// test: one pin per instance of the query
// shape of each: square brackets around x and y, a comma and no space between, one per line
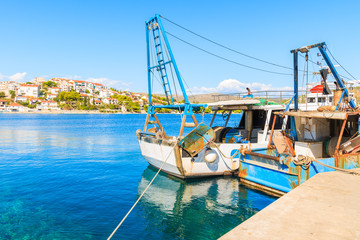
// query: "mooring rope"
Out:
[336,168]
[305,162]
[142,194]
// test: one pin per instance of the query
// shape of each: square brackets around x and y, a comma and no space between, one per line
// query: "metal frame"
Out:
[162,44]
[321,47]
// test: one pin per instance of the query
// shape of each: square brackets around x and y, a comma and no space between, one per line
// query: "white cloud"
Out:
[17,77]
[74,77]
[234,86]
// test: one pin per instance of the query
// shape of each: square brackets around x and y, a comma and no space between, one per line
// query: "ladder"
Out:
[161,67]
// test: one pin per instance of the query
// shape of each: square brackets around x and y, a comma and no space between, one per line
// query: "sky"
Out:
[104,41]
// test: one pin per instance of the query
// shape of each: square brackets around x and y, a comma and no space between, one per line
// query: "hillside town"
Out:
[61,94]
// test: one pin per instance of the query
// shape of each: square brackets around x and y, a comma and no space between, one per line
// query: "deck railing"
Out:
[273,95]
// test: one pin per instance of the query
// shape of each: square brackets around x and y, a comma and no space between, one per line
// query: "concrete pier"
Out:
[327,206]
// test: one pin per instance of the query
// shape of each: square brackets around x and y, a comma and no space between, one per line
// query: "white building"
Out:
[16,107]
[110,101]
[31,90]
[20,99]
[46,105]
[2,104]
[51,96]
[55,90]
[104,94]
[63,83]
[99,86]
[39,80]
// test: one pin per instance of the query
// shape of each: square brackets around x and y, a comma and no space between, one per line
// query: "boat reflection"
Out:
[200,209]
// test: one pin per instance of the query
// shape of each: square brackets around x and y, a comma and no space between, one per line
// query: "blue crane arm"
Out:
[328,62]
[336,75]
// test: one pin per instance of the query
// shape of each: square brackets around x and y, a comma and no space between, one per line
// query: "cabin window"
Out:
[311,100]
[330,99]
[321,100]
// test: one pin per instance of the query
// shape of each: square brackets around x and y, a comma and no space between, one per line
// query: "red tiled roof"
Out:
[29,85]
[14,104]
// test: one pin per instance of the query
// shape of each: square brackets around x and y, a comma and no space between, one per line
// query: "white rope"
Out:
[111,235]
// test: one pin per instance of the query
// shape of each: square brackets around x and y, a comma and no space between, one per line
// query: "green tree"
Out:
[12,93]
[87,91]
[49,84]
[71,96]
[2,95]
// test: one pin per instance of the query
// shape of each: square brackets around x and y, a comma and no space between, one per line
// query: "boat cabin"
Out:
[324,134]
[257,118]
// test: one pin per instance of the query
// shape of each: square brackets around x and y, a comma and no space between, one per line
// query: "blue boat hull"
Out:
[278,178]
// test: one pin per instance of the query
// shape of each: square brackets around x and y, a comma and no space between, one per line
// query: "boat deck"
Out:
[324,207]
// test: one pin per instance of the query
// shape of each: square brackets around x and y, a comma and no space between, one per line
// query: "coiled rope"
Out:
[142,194]
[305,162]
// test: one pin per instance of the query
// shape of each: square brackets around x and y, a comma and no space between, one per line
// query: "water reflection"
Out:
[198,209]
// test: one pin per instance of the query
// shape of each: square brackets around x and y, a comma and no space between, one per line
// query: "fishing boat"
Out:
[205,150]
[323,140]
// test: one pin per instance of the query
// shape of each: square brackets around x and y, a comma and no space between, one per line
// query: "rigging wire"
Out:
[228,60]
[340,64]
[314,75]
[246,55]
[153,61]
[173,78]
[191,94]
[318,65]
[171,70]
[223,46]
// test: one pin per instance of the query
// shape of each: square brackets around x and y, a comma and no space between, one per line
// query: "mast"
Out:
[163,64]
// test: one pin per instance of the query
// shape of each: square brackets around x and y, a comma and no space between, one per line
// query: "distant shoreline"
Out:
[68,112]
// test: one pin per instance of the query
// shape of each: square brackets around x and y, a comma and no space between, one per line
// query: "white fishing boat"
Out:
[206,150]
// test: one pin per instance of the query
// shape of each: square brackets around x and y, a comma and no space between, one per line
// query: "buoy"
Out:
[210,155]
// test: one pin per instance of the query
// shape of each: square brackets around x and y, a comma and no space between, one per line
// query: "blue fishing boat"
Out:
[327,139]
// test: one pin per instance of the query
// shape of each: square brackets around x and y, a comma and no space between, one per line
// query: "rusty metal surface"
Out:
[197,139]
[268,172]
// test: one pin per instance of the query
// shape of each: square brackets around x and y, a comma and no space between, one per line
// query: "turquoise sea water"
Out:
[76,176]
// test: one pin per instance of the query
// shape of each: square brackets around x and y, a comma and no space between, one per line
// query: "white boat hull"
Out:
[166,154]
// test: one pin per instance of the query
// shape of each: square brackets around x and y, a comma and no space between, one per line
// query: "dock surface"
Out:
[327,206]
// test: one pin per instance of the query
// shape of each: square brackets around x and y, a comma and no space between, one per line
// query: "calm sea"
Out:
[76,176]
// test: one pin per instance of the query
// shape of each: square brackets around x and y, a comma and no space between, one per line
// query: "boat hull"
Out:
[279,177]
[167,155]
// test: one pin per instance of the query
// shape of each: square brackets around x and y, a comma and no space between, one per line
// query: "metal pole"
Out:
[148,61]
[296,86]
[172,59]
